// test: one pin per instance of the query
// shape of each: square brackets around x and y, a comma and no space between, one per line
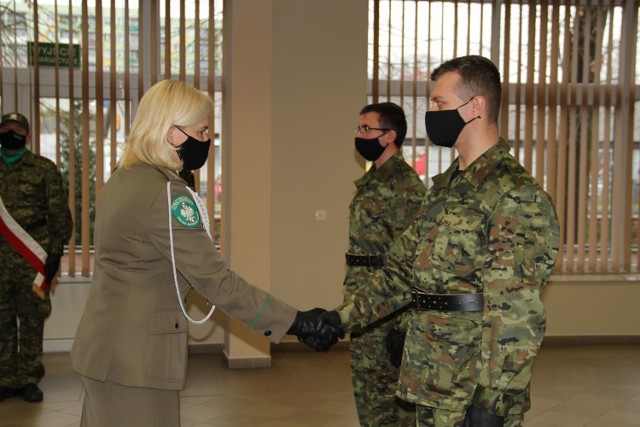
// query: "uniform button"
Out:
[267,333]
[176,325]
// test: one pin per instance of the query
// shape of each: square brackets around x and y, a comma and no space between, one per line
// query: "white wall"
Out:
[588,306]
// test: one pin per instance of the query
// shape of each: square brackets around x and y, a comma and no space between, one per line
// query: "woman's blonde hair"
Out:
[167,103]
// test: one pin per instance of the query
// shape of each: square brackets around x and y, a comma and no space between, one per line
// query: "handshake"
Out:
[317,328]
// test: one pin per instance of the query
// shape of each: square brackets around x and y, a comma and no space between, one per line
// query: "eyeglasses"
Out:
[365,129]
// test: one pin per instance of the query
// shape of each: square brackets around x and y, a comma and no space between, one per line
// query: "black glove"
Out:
[395,345]
[332,318]
[476,417]
[328,331]
[306,322]
[51,267]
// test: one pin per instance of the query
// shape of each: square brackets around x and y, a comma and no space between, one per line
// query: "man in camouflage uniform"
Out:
[472,266]
[387,199]
[32,193]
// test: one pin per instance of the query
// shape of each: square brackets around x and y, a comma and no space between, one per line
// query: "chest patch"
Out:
[185,211]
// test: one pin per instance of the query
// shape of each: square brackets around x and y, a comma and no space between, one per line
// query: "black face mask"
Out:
[193,153]
[444,127]
[370,149]
[11,140]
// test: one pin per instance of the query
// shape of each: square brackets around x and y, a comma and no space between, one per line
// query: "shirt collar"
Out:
[480,168]
[384,173]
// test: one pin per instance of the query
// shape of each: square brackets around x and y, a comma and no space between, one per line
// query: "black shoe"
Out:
[31,393]
[6,392]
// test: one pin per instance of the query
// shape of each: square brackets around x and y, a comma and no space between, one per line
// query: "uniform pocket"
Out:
[30,185]
[441,354]
[373,209]
[460,238]
[166,349]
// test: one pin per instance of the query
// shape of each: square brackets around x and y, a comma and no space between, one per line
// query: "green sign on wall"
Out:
[47,54]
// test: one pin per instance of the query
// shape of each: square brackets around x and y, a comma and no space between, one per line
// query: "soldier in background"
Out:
[472,266]
[35,224]
[387,200]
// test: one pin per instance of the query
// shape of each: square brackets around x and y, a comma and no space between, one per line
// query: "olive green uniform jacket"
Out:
[34,195]
[489,229]
[133,331]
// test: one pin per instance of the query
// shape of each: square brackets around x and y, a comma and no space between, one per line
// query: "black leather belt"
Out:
[447,302]
[369,261]
[35,225]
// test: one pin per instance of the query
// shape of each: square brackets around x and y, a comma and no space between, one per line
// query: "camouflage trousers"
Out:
[375,380]
[433,417]
[22,316]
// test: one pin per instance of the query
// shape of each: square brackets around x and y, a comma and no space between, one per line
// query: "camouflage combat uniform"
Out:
[386,202]
[489,229]
[33,194]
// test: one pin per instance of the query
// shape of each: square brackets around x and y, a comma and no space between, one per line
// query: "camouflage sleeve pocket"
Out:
[540,242]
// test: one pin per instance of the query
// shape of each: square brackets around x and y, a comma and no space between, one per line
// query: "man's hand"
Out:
[306,322]
[329,331]
[476,417]
[328,334]
[332,318]
[395,345]
[51,267]
[317,328]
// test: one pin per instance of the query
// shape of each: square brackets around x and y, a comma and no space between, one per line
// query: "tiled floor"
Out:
[596,386]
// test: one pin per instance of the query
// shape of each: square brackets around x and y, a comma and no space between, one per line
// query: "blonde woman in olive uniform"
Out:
[131,344]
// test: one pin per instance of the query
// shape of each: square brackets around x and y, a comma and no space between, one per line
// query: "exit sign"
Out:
[47,54]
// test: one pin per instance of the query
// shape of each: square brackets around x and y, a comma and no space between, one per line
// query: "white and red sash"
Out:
[26,246]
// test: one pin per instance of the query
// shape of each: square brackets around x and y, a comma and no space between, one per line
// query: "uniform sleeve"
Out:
[389,289]
[523,239]
[409,204]
[199,263]
[59,221]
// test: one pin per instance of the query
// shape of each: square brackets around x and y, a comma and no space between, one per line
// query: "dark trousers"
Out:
[22,316]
